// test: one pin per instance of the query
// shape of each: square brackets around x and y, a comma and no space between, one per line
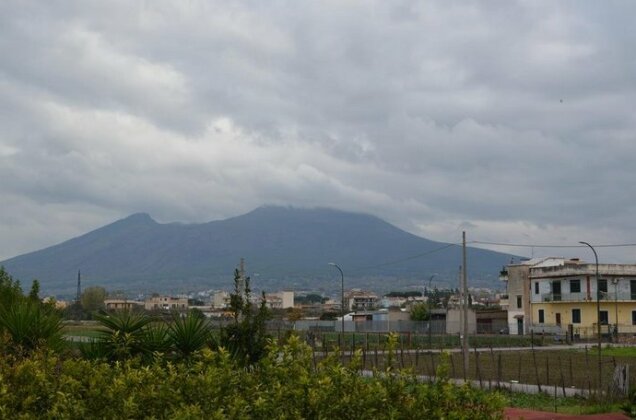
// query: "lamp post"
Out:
[615,281]
[598,316]
[342,309]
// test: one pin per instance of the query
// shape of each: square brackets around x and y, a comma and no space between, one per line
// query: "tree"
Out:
[408,294]
[329,316]
[419,312]
[92,298]
[294,314]
[34,293]
[246,337]
[10,290]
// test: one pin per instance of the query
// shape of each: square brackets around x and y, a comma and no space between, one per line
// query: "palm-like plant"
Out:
[156,338]
[31,326]
[124,334]
[188,334]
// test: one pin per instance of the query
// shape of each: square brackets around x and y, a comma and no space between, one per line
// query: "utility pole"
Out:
[464,305]
[342,309]
[598,318]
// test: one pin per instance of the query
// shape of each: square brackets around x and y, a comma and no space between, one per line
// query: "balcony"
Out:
[561,297]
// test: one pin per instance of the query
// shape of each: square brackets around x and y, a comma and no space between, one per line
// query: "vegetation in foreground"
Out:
[283,384]
[564,405]
[137,368]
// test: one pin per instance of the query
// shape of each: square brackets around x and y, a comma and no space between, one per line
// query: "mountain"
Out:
[283,248]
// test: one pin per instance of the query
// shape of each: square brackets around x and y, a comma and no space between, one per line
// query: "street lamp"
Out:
[342,309]
[615,281]
[598,316]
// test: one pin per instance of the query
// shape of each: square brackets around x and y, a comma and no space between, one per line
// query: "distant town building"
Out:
[122,304]
[392,301]
[221,300]
[360,300]
[166,303]
[279,300]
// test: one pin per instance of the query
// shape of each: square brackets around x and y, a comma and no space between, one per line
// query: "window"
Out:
[576,316]
[536,288]
[604,318]
[518,301]
[602,286]
[542,316]
[556,290]
[633,317]
[632,289]
[575,286]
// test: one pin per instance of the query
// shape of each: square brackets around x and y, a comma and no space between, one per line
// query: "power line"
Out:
[401,260]
[548,246]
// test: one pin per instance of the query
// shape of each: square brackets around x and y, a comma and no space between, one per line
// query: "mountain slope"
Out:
[283,247]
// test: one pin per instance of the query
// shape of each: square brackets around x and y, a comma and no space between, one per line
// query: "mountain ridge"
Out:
[285,247]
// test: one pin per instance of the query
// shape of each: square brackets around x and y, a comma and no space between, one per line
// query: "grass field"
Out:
[569,405]
[563,368]
[83,329]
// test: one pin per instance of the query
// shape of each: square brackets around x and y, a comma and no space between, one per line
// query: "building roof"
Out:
[543,262]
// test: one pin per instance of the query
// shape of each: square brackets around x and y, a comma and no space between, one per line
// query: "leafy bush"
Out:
[123,335]
[282,385]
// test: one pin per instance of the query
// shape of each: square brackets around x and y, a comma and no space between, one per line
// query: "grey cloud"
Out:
[511,117]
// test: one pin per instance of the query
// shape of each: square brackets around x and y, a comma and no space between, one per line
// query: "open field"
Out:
[490,364]
[569,368]
[84,329]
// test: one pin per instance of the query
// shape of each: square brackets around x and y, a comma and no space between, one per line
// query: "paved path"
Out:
[525,414]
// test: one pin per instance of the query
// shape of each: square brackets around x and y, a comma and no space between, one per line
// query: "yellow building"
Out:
[566,294]
[554,295]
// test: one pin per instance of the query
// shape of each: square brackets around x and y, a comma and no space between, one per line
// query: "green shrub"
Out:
[283,385]
[28,325]
[123,335]
[188,335]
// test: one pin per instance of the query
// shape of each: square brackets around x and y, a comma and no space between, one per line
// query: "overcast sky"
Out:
[514,121]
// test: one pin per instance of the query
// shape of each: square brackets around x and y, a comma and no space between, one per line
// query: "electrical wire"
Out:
[401,260]
[548,246]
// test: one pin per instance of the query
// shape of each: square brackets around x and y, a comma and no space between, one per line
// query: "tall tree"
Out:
[10,290]
[246,337]
[34,293]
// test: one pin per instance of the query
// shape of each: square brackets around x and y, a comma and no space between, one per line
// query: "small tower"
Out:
[79,287]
